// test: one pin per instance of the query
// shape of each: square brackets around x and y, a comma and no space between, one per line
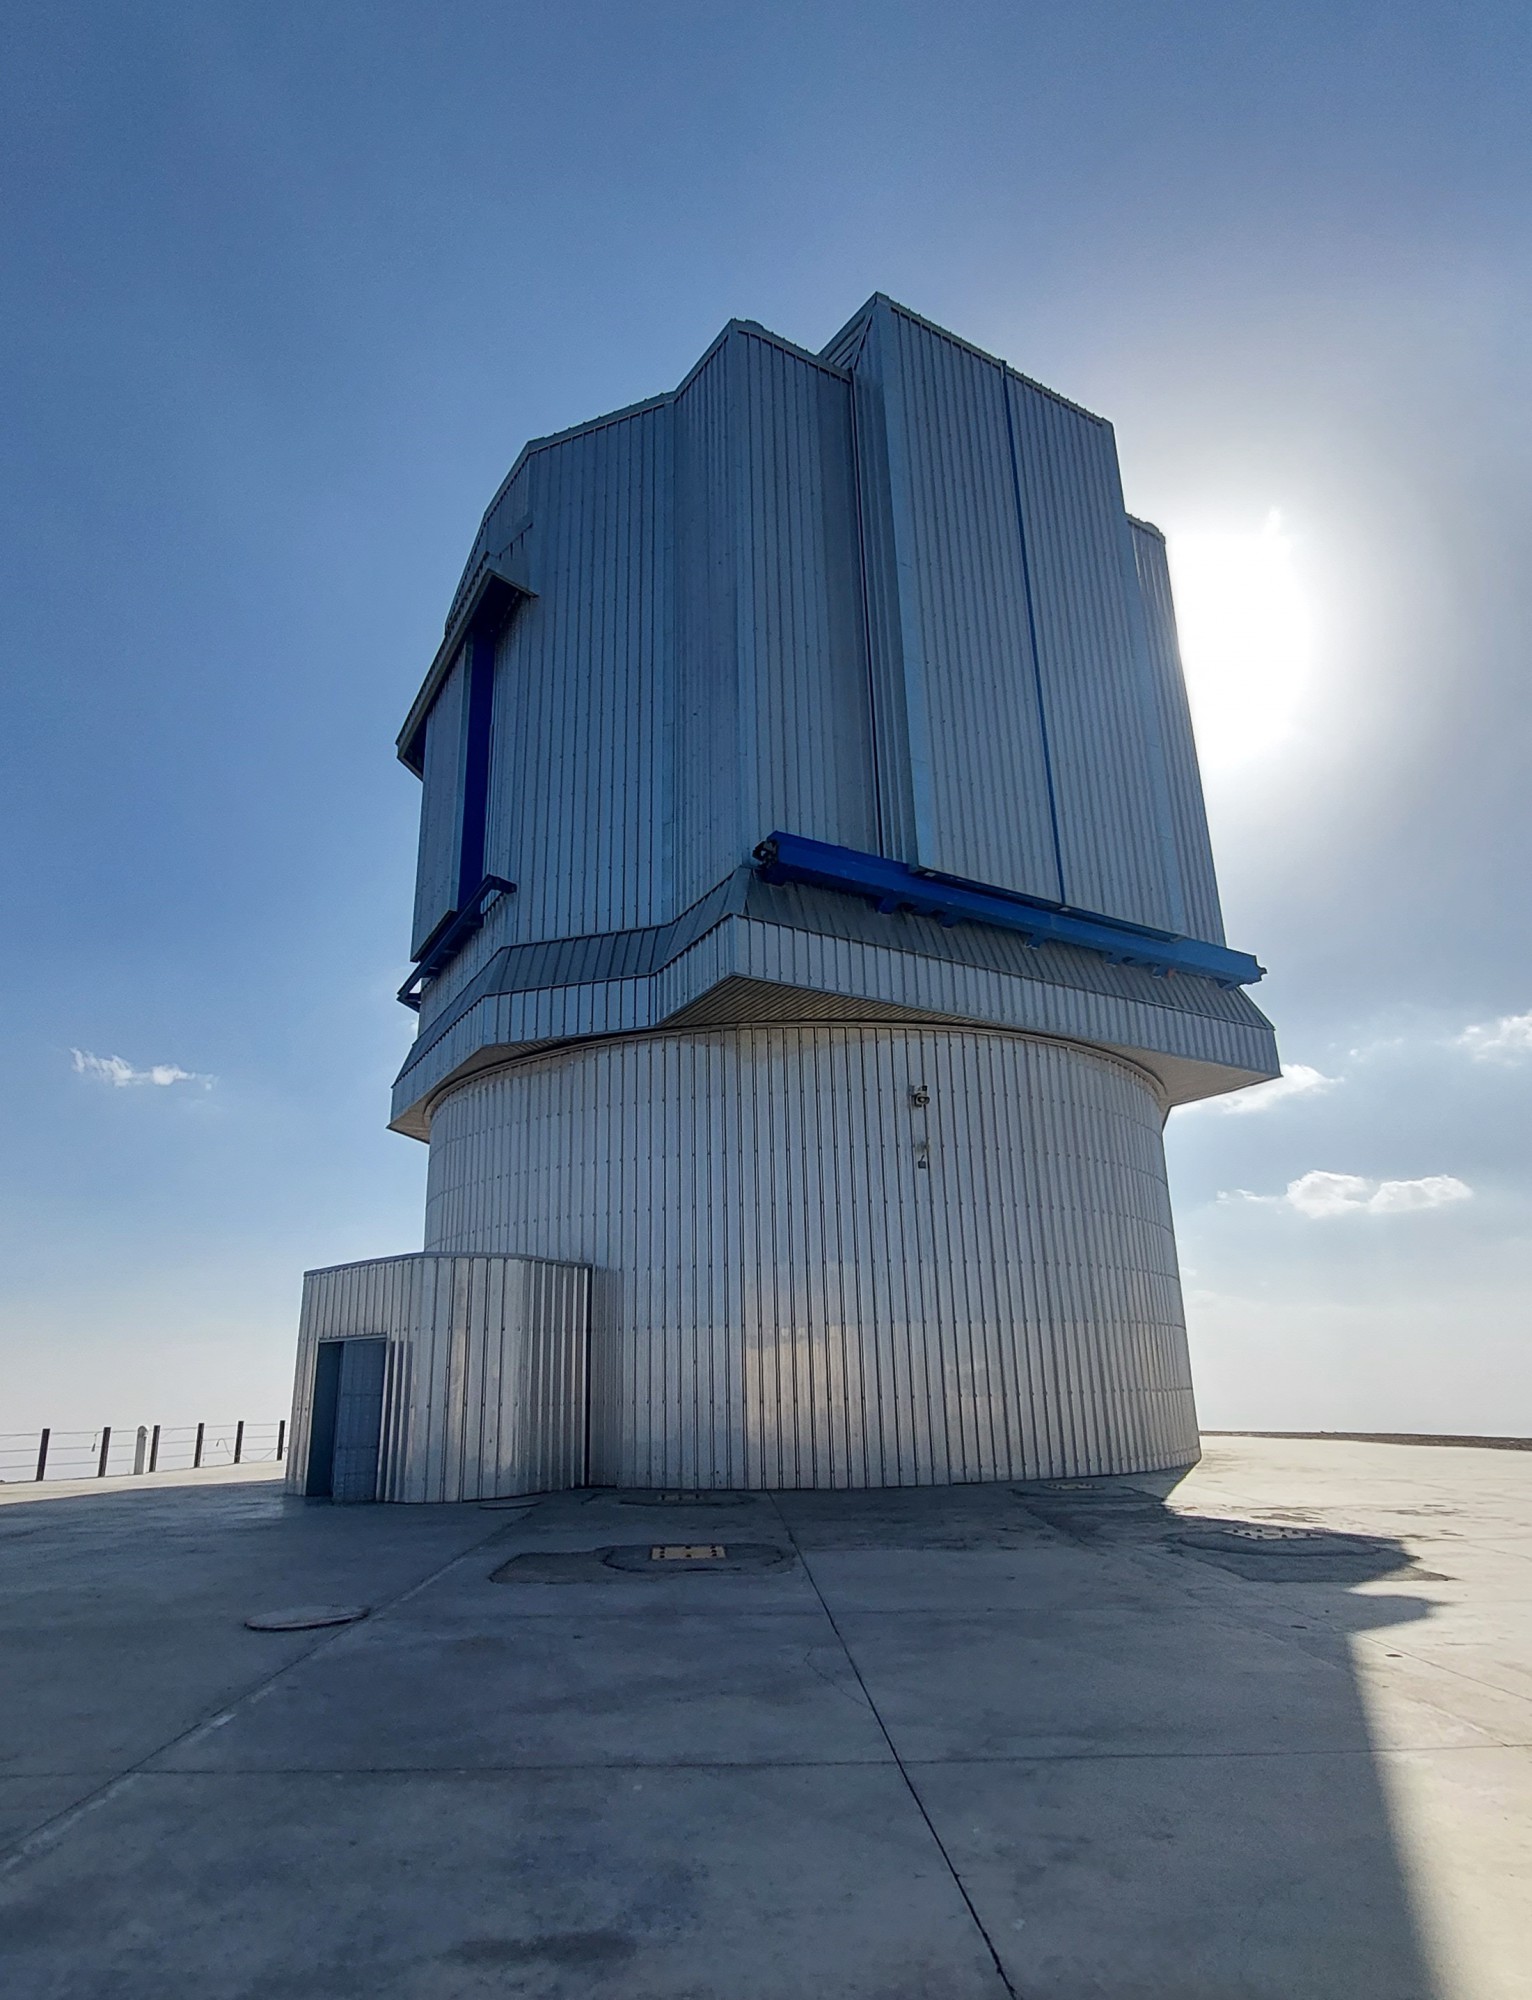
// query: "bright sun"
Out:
[1246,638]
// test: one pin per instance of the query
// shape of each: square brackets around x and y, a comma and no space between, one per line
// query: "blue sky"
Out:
[286,288]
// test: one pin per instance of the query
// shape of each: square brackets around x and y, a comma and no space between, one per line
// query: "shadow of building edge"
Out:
[1133,1513]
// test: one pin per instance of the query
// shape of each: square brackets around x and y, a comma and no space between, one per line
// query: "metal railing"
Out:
[107,1453]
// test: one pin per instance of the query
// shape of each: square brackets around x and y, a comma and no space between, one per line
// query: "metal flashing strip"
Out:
[894,886]
[605,956]
[452,933]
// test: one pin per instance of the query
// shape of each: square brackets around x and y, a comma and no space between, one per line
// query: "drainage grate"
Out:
[1255,1537]
[1274,1552]
[1257,1531]
[655,1560]
[682,1497]
[658,1559]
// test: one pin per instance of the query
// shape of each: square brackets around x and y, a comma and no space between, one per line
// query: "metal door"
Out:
[358,1420]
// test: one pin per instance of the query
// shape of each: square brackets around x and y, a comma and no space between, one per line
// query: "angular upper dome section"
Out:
[886,598]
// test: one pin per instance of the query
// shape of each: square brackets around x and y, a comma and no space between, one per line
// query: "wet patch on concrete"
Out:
[561,1948]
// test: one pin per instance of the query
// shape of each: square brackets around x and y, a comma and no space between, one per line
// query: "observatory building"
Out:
[815,923]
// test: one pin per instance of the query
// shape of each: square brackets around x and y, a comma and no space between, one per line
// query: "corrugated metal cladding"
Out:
[441,806]
[1198,1039]
[1000,569]
[837,1196]
[484,1384]
[841,1255]
[1188,813]
[892,604]
[954,601]
[691,670]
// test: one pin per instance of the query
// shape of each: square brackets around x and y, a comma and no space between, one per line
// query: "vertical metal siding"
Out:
[1204,917]
[1102,727]
[578,802]
[805,725]
[785,1296]
[978,764]
[897,834]
[441,801]
[704,801]
[484,1388]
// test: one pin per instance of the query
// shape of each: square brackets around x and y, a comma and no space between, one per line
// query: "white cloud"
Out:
[1319,1195]
[1297,1080]
[122,1075]
[1504,1040]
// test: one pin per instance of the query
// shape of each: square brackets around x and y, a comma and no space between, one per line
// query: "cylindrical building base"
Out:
[841,1255]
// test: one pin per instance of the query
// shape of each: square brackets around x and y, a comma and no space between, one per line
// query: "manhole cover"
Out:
[1079,1489]
[305,1617]
[690,1558]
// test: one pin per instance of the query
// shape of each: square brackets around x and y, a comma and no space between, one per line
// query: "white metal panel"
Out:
[485,1386]
[1104,748]
[805,749]
[703,827]
[809,1279]
[441,804]
[1188,813]
[578,806]
[979,782]
[898,835]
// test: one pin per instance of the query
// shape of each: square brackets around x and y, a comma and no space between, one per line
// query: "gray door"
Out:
[358,1420]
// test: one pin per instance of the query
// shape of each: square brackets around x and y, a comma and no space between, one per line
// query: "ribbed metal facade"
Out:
[885,598]
[484,1387]
[1195,1038]
[954,605]
[841,1255]
[1183,781]
[441,806]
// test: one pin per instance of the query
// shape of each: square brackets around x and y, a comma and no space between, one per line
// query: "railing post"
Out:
[140,1447]
[154,1450]
[106,1445]
[239,1440]
[197,1454]
[42,1452]
[281,1438]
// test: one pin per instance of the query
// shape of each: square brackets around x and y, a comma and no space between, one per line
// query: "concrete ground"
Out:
[949,1744]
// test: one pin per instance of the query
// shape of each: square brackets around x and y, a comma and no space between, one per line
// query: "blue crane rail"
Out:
[895,886]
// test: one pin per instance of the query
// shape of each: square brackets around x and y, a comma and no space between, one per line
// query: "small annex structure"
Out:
[815,923]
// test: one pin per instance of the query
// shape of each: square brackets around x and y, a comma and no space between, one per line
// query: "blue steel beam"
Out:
[451,934]
[894,885]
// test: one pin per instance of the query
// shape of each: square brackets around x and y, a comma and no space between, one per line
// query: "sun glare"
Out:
[1246,638]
